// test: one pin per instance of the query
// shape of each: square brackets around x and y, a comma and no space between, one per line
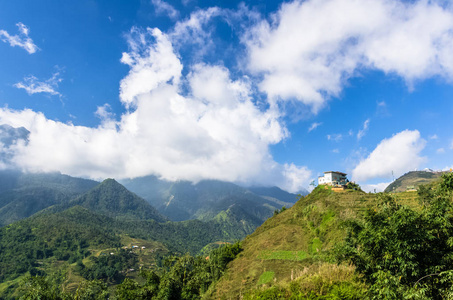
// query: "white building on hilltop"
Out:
[333,178]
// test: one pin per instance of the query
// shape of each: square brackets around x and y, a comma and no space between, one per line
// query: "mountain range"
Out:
[184,200]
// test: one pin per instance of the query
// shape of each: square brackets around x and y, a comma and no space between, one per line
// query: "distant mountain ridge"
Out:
[183,200]
[412,179]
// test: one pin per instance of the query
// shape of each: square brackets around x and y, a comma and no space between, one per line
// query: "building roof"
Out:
[344,174]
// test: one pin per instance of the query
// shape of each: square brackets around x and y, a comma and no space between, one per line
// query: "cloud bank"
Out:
[190,118]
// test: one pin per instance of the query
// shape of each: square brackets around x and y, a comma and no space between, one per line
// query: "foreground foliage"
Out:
[184,277]
[404,253]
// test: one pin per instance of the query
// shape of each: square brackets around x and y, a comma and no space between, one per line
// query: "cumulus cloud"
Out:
[309,49]
[398,154]
[32,85]
[22,40]
[163,7]
[212,131]
[363,131]
[153,63]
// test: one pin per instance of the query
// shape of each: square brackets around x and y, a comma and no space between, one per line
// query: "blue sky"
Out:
[262,92]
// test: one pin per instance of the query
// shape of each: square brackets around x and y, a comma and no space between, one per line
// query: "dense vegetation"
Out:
[404,252]
[182,277]
[22,195]
[47,242]
[66,236]
[351,245]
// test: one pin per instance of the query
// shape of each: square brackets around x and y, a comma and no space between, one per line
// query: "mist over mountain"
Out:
[184,200]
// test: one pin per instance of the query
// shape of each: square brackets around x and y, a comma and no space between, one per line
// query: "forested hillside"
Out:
[23,194]
[112,199]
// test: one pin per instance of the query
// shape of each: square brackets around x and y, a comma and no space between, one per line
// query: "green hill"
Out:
[412,180]
[293,244]
[112,199]
[23,194]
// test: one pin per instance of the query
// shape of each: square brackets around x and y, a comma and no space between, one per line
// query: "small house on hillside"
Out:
[333,178]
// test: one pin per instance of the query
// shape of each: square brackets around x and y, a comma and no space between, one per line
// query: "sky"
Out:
[256,93]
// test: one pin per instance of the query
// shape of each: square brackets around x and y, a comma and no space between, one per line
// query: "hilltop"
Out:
[412,180]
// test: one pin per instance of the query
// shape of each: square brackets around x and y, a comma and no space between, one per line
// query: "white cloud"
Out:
[451,145]
[336,150]
[378,187]
[434,137]
[314,126]
[22,40]
[440,151]
[32,85]
[309,49]
[163,7]
[400,153]
[152,64]
[213,131]
[363,131]
[337,137]
[197,31]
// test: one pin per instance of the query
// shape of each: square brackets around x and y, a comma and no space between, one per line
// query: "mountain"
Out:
[412,180]
[184,200]
[23,194]
[112,199]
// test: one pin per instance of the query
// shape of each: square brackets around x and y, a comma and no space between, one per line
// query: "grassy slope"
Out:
[295,242]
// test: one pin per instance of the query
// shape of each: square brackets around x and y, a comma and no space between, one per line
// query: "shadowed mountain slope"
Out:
[23,194]
[112,199]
